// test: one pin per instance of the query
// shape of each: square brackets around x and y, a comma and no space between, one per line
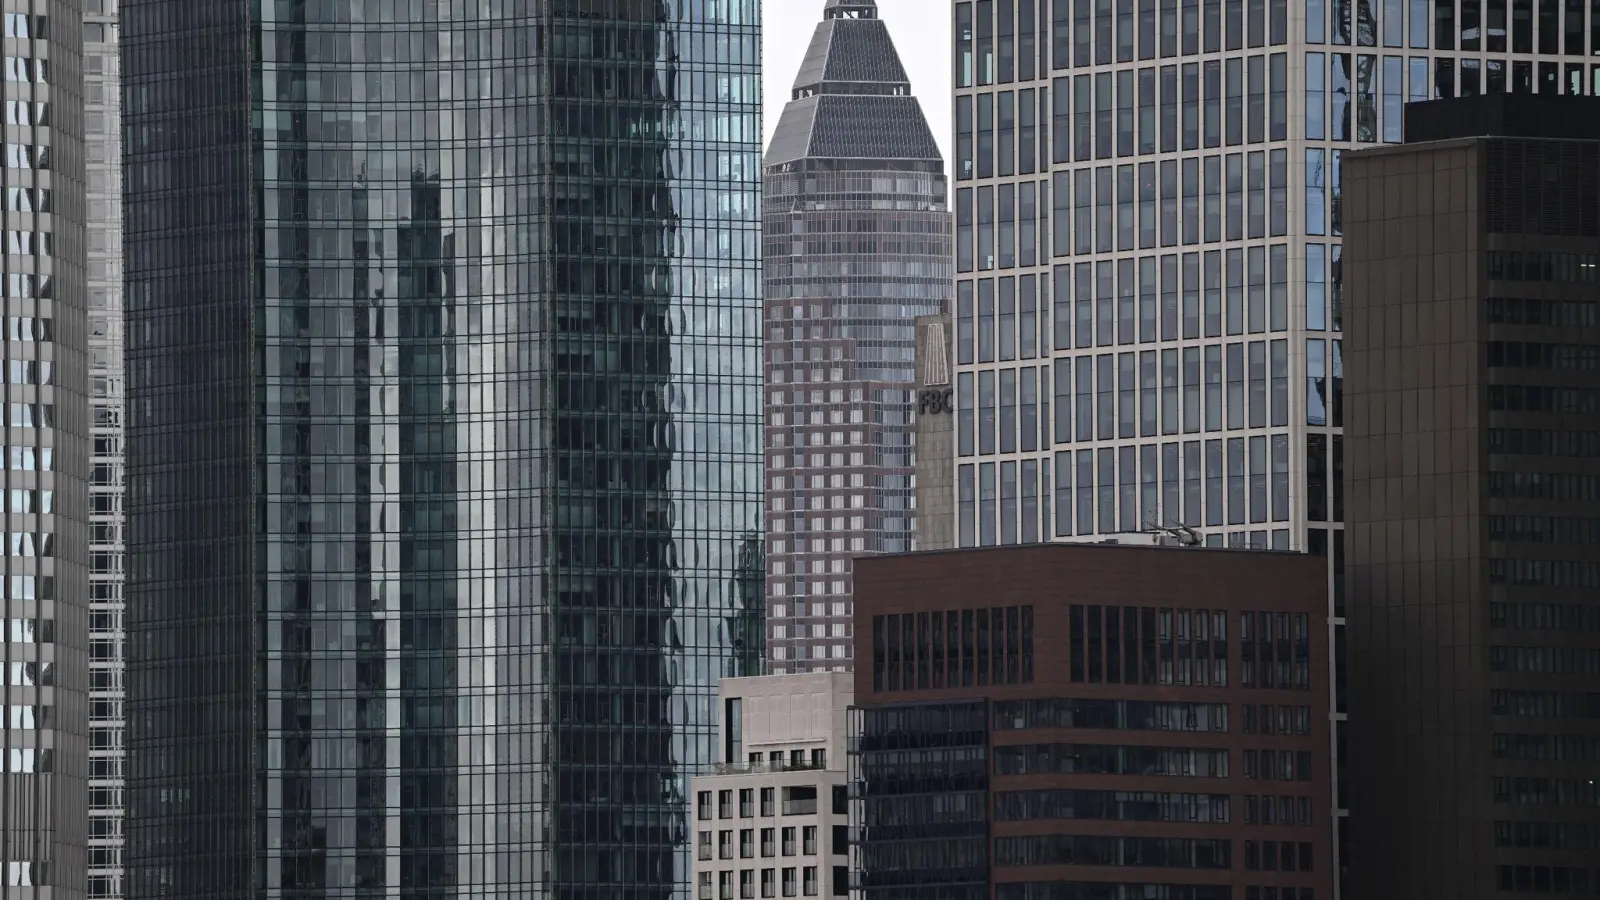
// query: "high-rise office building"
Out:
[1474,471]
[44,647]
[857,245]
[1107,722]
[443,439]
[1148,245]
[102,124]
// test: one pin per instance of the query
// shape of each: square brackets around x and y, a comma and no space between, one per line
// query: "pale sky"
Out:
[921,31]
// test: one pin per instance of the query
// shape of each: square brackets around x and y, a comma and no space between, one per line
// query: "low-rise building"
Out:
[772,819]
[1092,722]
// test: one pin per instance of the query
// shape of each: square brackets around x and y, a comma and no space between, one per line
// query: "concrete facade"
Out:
[773,819]
[934,401]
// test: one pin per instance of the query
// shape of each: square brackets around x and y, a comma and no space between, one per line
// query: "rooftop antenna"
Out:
[1183,534]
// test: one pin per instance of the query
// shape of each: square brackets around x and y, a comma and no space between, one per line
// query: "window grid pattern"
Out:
[45,466]
[444,407]
[1164,134]
[103,144]
[857,246]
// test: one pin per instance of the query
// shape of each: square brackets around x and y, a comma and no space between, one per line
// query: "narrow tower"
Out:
[857,241]
[102,105]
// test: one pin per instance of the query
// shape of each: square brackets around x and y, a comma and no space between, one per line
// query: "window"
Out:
[809,840]
[733,730]
[768,796]
[1061,849]
[1011,661]
[705,805]
[1110,759]
[790,885]
[1132,715]
[705,845]
[789,846]
[747,803]
[1124,806]
[810,881]
[769,847]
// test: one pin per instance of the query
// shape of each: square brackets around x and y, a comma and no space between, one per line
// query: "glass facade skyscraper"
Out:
[1153,186]
[857,241]
[444,451]
[44,585]
[102,102]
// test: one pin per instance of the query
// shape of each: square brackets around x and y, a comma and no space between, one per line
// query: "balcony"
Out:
[765,767]
[800,800]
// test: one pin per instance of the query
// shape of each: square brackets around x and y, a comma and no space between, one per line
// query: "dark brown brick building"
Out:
[1092,722]
[1472,367]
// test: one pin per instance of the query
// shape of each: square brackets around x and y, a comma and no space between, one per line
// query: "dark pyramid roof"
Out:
[852,98]
[852,50]
[844,126]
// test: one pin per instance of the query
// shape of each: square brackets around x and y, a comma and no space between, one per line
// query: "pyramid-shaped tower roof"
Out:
[852,97]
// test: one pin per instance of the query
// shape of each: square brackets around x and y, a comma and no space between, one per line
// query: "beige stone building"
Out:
[772,820]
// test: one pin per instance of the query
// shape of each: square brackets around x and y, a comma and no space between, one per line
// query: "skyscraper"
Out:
[444,466]
[44,647]
[857,245]
[102,103]
[1148,243]
[1473,258]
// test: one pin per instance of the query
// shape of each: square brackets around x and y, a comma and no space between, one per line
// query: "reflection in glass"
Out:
[1494,32]
[1316,201]
[1366,98]
[1317,398]
[462,543]
[1444,25]
[1393,99]
[1339,93]
[917,820]
[1471,25]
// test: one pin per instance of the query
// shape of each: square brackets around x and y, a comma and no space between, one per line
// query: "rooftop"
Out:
[852,98]
[1548,116]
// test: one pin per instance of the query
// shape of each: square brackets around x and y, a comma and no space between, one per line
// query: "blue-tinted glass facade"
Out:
[444,439]
[920,774]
